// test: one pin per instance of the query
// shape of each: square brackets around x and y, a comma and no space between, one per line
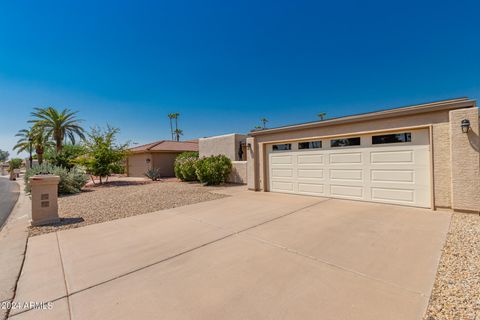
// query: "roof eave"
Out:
[417,109]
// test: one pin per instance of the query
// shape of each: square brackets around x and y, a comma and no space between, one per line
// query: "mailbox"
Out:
[44,191]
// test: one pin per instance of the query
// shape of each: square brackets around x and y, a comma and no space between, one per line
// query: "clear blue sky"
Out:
[224,64]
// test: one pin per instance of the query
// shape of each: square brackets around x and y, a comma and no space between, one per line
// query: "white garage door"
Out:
[389,168]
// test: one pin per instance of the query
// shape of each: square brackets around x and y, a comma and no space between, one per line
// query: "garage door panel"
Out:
[346,158]
[402,156]
[282,173]
[421,157]
[346,174]
[311,188]
[394,195]
[345,191]
[308,159]
[392,175]
[310,173]
[281,159]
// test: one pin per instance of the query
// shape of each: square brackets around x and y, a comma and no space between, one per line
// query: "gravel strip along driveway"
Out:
[456,292]
[119,200]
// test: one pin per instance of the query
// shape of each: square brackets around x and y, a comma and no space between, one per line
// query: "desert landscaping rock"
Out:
[123,199]
[456,292]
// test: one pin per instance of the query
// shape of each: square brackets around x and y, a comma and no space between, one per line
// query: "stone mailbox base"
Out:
[44,190]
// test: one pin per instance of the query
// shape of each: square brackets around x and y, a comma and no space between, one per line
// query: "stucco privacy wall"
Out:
[227,145]
[137,164]
[252,164]
[239,172]
[466,160]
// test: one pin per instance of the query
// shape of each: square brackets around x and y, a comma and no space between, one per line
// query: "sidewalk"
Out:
[13,243]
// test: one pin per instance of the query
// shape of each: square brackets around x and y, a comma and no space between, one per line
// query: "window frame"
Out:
[282,144]
[346,146]
[407,135]
[310,144]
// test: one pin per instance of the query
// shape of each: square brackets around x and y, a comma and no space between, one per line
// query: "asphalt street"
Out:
[9,192]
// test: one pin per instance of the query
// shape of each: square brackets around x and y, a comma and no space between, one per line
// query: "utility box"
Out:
[44,191]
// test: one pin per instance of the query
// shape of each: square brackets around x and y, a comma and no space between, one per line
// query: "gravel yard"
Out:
[121,199]
[456,292]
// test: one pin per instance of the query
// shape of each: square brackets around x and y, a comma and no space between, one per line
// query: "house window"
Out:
[310,145]
[282,147]
[345,142]
[392,138]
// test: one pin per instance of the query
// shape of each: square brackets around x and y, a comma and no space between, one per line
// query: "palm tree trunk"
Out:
[171,128]
[40,157]
[58,142]
[176,128]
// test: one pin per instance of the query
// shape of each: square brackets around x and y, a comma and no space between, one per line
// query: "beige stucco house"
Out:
[160,154]
[424,155]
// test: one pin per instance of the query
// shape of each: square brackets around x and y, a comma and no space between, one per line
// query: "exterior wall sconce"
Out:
[249,146]
[147,160]
[465,125]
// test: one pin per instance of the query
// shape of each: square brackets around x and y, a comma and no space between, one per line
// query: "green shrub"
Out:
[213,170]
[15,163]
[71,181]
[65,158]
[104,156]
[153,174]
[185,166]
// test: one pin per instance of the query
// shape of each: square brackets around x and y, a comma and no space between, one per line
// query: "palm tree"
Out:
[257,128]
[178,133]
[176,122]
[32,139]
[174,116]
[322,115]
[171,116]
[58,125]
[264,121]
[176,119]
[25,143]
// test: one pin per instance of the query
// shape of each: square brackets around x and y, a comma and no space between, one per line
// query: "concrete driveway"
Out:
[249,256]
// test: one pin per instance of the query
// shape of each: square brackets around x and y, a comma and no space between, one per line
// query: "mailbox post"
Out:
[44,190]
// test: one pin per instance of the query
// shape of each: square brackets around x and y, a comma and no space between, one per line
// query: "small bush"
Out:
[185,166]
[119,168]
[153,174]
[66,157]
[15,163]
[213,170]
[71,181]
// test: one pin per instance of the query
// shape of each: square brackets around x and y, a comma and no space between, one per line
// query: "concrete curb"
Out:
[13,244]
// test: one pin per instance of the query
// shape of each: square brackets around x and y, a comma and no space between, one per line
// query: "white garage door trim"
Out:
[397,173]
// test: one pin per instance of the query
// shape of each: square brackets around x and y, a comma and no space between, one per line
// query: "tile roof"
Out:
[167,145]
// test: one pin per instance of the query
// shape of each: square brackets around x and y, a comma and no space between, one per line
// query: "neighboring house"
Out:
[231,145]
[425,155]
[159,154]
